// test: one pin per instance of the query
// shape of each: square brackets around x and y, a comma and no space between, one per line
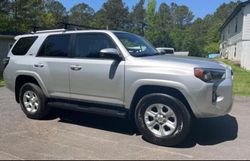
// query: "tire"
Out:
[174,119]
[36,100]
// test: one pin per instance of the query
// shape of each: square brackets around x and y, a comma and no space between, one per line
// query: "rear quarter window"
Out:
[23,45]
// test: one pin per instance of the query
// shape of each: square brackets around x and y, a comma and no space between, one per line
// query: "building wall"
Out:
[245,55]
[246,25]
[5,44]
[235,51]
[233,31]
[236,45]
[231,37]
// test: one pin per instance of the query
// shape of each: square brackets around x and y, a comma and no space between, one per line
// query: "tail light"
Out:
[5,62]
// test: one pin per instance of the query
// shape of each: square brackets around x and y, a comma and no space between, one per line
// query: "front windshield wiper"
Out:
[145,55]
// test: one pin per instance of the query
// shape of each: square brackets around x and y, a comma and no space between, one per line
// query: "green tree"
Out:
[5,19]
[137,17]
[81,14]
[55,13]
[24,14]
[114,15]
[181,19]
[100,20]
[4,6]
[165,25]
[181,15]
[194,39]
[211,25]
[152,31]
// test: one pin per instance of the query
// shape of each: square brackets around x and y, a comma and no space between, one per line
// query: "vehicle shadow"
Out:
[112,124]
[210,131]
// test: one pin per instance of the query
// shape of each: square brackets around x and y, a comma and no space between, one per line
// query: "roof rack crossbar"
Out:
[67,26]
[48,31]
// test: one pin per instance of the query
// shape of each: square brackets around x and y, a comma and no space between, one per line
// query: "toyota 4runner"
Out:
[117,74]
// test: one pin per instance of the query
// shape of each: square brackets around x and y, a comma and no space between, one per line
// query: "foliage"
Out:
[170,25]
[54,12]
[114,15]
[136,18]
[1,81]
[152,31]
[81,14]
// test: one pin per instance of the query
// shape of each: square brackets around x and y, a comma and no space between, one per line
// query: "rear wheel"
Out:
[33,101]
[162,119]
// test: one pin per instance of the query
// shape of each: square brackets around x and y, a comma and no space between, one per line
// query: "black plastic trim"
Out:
[95,108]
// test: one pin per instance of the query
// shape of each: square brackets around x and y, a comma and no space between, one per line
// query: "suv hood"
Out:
[184,61]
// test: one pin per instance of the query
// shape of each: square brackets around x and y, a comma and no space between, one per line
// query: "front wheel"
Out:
[162,119]
[33,101]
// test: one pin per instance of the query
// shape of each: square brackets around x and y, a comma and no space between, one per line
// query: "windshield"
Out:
[136,45]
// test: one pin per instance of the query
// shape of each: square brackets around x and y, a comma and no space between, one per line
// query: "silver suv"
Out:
[117,74]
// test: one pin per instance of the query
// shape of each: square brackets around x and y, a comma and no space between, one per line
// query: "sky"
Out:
[200,8]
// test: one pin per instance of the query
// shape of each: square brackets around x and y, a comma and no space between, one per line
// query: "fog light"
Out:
[214,96]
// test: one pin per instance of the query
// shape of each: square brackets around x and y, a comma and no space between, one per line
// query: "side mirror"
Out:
[110,53]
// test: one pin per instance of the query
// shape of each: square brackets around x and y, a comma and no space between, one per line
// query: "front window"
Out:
[89,45]
[136,45]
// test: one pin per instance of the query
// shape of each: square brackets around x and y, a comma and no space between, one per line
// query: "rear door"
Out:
[52,64]
[96,78]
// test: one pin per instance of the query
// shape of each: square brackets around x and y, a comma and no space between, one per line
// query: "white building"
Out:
[235,35]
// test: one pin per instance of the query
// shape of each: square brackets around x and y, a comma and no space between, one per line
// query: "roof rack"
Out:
[76,26]
[66,27]
[48,31]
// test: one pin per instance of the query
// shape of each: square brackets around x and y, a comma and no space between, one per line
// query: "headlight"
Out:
[210,75]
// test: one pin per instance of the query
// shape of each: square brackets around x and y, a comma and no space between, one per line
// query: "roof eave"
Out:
[234,13]
[7,36]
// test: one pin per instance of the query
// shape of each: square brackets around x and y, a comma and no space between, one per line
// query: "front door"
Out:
[92,77]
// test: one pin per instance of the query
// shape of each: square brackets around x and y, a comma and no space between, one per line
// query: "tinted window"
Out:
[23,45]
[168,51]
[90,45]
[55,46]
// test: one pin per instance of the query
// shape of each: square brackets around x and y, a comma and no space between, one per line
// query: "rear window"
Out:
[23,45]
[169,51]
[55,46]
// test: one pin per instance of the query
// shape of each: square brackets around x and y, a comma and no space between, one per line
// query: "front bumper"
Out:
[215,99]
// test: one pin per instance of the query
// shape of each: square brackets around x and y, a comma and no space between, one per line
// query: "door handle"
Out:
[39,65]
[75,67]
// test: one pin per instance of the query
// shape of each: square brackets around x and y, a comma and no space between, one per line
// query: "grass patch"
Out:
[1,80]
[241,79]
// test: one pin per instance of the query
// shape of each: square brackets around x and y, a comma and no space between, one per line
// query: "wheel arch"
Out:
[21,79]
[148,89]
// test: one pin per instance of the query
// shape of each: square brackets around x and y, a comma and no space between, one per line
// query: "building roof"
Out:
[9,35]
[234,13]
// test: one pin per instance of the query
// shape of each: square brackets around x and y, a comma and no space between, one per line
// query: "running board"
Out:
[99,109]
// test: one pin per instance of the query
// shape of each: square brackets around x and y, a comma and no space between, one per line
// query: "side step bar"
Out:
[100,109]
